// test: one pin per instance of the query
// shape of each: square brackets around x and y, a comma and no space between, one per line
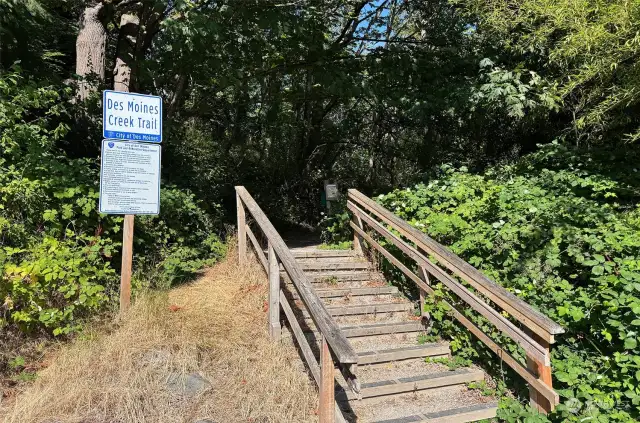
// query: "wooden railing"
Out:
[537,331]
[334,345]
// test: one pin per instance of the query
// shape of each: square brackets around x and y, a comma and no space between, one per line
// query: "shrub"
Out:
[335,227]
[561,229]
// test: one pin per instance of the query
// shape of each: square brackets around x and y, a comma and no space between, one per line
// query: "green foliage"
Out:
[586,52]
[482,387]
[559,229]
[335,227]
[58,256]
[424,338]
[453,363]
[512,411]
[518,92]
[344,245]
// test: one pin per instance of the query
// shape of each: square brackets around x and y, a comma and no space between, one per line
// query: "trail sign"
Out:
[129,178]
[332,192]
[134,117]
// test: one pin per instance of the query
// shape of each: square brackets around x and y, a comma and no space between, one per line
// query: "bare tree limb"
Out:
[350,25]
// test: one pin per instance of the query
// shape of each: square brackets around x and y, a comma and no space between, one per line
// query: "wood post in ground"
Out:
[357,239]
[274,295]
[242,233]
[326,410]
[543,372]
[127,263]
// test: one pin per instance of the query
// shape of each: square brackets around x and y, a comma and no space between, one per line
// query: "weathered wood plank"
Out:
[301,340]
[423,293]
[366,309]
[311,254]
[417,351]
[321,317]
[127,262]
[329,266]
[472,413]
[344,276]
[543,371]
[522,311]
[372,329]
[420,382]
[257,249]
[531,347]
[274,295]
[357,240]
[355,292]
[242,235]
[326,409]
[382,329]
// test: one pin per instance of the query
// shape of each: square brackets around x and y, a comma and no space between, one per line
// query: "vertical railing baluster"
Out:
[423,294]
[357,239]
[274,295]
[242,233]
[326,410]
[543,372]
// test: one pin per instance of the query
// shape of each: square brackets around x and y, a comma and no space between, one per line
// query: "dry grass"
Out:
[215,327]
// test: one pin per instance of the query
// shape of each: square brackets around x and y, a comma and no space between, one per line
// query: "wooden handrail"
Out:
[340,347]
[546,391]
[540,330]
[519,309]
[501,322]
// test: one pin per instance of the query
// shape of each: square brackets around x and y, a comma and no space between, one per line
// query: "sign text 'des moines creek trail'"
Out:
[133,117]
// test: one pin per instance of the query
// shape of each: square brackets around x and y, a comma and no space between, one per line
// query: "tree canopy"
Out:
[281,95]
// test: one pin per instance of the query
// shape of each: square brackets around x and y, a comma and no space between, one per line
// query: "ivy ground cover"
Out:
[562,231]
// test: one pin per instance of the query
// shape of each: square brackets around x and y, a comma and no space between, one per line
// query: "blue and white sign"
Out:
[130,177]
[133,117]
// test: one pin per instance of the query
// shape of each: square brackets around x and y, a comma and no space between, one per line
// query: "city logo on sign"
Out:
[111,144]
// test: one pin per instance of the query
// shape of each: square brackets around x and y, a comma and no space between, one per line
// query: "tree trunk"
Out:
[90,49]
[181,87]
[124,71]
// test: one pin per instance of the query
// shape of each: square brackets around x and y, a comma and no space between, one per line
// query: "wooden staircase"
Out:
[396,383]
[343,315]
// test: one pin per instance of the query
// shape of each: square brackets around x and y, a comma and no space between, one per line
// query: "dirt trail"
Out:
[198,353]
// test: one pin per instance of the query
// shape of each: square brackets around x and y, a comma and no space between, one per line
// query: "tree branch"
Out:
[350,26]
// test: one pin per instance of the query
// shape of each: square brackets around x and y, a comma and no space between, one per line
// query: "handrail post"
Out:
[242,233]
[326,409]
[274,295]
[423,294]
[357,239]
[543,373]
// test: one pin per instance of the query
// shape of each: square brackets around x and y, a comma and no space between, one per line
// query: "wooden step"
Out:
[340,276]
[366,309]
[403,353]
[363,300]
[382,328]
[362,334]
[414,383]
[327,266]
[467,414]
[310,254]
[355,292]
